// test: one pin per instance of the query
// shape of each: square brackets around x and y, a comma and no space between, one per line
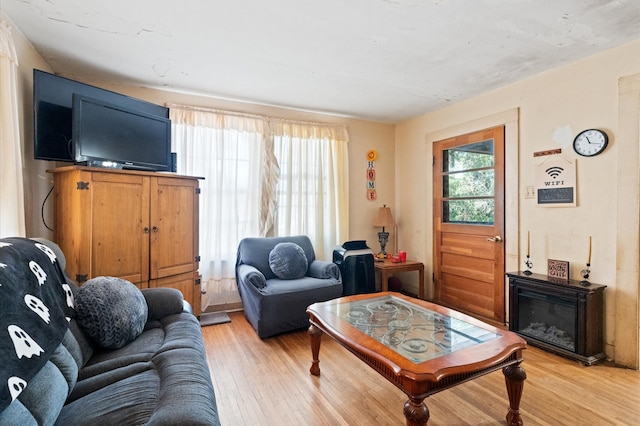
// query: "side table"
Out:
[387,267]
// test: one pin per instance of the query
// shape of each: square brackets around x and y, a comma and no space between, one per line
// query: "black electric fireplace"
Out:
[561,316]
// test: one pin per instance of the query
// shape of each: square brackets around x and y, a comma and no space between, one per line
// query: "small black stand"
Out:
[585,276]
[529,265]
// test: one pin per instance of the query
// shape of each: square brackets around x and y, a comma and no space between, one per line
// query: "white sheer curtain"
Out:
[12,218]
[263,177]
[312,193]
[234,155]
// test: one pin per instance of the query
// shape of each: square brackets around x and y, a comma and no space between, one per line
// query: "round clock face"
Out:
[590,142]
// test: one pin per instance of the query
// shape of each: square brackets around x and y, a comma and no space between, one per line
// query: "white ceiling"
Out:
[381,60]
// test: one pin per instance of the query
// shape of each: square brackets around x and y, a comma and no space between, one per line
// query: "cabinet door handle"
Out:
[145,229]
[154,229]
[496,239]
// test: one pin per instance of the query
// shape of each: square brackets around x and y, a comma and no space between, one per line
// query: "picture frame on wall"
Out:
[558,269]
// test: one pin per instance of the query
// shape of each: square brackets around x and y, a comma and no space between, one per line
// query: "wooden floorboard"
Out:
[267,382]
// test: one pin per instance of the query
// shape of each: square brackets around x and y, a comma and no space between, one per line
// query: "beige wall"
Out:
[581,95]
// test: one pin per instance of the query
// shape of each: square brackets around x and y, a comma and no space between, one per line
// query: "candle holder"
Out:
[529,264]
[585,276]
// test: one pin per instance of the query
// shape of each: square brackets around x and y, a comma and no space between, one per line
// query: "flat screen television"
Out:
[53,114]
[110,135]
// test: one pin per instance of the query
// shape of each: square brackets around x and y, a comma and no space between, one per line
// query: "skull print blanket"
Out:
[36,305]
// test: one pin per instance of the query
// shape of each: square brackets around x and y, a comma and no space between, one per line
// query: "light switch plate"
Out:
[530,191]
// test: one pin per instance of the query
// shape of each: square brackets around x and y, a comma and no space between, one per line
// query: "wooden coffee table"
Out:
[420,347]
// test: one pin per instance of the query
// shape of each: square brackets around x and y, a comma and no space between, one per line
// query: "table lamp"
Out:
[383,219]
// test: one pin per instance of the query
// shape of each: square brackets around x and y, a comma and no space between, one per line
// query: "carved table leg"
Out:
[315,337]
[514,376]
[416,412]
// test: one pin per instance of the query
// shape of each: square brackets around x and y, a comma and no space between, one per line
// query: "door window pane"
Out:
[477,211]
[468,183]
[467,157]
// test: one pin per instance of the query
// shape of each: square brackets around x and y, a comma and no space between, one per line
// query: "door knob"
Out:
[496,239]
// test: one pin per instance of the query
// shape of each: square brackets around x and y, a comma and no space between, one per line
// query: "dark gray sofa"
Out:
[160,378]
[273,305]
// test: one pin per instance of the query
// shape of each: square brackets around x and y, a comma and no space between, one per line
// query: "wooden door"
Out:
[120,226]
[468,179]
[174,226]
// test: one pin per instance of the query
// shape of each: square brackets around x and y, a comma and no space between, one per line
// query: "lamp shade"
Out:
[384,218]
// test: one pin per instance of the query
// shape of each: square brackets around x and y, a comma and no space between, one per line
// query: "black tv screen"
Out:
[53,118]
[114,136]
[52,126]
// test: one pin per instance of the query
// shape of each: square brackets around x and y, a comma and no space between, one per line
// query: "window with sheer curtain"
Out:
[230,152]
[12,218]
[262,177]
[311,195]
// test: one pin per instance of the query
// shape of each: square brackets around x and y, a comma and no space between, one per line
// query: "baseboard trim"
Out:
[223,307]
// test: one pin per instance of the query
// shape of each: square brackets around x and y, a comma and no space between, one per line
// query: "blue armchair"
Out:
[273,304]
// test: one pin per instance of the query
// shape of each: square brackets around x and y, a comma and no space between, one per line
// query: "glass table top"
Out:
[417,333]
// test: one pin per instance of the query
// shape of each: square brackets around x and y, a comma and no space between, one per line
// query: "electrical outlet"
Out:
[530,191]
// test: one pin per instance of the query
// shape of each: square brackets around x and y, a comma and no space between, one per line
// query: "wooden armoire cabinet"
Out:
[139,226]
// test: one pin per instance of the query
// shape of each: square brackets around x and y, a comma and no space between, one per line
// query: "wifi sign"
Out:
[555,171]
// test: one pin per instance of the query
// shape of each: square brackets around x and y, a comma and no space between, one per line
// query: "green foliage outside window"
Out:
[468,184]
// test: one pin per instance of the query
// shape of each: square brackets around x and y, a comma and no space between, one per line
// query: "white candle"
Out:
[589,255]
[528,243]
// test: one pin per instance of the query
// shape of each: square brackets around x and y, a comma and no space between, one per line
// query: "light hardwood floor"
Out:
[267,382]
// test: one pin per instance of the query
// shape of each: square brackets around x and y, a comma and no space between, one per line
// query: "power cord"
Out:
[44,222]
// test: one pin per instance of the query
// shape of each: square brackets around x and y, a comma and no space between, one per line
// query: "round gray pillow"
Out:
[112,311]
[288,261]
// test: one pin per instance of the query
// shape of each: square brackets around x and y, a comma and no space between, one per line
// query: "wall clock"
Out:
[590,142]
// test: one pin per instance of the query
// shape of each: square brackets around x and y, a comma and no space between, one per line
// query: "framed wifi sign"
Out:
[556,182]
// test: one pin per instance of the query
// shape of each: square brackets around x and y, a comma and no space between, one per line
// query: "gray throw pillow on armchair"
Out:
[112,311]
[288,261]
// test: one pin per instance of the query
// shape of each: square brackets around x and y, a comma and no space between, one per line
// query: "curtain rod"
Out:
[247,115]
[216,111]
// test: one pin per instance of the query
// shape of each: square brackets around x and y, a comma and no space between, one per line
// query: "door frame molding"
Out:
[626,294]
[510,120]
